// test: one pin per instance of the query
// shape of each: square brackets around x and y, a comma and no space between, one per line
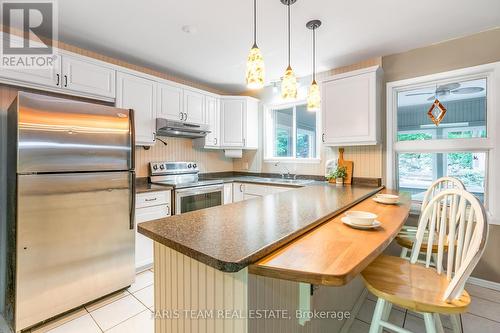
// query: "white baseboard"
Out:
[354,312]
[484,283]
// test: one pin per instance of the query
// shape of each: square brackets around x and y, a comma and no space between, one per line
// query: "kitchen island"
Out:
[218,269]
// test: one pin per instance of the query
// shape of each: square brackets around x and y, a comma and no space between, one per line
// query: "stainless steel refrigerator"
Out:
[70,205]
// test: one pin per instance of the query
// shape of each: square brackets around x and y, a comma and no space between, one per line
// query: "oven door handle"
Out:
[199,190]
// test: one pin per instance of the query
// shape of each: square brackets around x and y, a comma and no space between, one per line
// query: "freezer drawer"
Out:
[75,242]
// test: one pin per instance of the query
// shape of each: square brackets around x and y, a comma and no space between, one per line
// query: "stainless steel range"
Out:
[189,193]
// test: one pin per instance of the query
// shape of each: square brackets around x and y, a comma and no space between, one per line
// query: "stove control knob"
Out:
[162,167]
[195,165]
[155,167]
[189,165]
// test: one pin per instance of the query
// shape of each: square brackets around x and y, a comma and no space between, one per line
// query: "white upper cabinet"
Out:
[194,107]
[50,78]
[239,122]
[138,93]
[212,106]
[86,76]
[351,108]
[233,126]
[170,100]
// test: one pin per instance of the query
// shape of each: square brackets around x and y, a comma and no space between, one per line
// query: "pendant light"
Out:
[255,62]
[313,96]
[289,81]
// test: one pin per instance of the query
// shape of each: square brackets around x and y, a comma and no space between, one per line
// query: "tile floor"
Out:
[130,311]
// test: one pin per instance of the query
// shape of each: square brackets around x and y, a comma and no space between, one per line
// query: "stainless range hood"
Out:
[165,127]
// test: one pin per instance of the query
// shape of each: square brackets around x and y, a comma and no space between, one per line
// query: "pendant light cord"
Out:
[314,54]
[255,23]
[289,43]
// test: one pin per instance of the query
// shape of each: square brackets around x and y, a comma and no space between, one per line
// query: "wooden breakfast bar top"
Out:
[333,253]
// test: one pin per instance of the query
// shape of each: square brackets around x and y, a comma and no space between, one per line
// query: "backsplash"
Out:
[179,149]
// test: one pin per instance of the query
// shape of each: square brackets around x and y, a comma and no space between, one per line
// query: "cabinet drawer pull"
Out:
[152,199]
[58,79]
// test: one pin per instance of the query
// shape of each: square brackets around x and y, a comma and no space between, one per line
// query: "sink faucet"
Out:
[286,174]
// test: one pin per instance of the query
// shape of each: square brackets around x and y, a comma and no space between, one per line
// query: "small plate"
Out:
[382,201]
[375,224]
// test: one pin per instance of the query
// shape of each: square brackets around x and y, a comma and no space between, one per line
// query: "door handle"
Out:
[132,202]
[186,117]
[323,137]
[244,142]
[65,80]
[241,188]
[181,115]
[215,141]
[168,210]
[58,76]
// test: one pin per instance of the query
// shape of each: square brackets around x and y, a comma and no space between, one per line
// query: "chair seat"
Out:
[408,234]
[411,286]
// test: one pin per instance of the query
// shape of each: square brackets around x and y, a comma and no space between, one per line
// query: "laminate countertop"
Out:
[234,236]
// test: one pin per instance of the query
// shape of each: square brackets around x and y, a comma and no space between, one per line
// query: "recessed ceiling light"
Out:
[190,29]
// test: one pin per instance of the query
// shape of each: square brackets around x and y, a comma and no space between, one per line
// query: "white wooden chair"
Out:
[406,236]
[425,289]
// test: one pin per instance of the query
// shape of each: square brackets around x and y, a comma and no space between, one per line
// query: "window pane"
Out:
[417,171]
[465,116]
[283,132]
[306,133]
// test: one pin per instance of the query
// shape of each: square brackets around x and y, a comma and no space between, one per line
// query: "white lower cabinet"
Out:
[228,193]
[149,206]
[246,191]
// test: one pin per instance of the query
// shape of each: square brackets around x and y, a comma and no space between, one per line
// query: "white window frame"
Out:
[269,139]
[490,144]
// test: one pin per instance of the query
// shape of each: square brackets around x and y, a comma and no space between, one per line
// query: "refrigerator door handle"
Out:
[132,201]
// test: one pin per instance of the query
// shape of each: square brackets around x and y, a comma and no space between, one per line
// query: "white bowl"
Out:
[388,198]
[360,217]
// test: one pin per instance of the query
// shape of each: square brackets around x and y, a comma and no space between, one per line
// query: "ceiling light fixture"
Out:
[289,81]
[255,62]
[314,95]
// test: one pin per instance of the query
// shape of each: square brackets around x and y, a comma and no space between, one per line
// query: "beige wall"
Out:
[179,149]
[469,51]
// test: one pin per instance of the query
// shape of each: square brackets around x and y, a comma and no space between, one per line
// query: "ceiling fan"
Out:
[447,89]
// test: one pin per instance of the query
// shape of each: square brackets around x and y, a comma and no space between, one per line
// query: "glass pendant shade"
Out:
[255,69]
[289,85]
[313,97]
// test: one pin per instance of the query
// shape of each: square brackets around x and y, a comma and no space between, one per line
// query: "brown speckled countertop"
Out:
[142,186]
[233,236]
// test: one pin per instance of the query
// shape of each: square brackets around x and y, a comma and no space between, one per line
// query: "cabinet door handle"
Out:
[244,142]
[215,141]
[323,137]
[65,80]
[241,188]
[186,116]
[58,76]
[168,210]
[181,115]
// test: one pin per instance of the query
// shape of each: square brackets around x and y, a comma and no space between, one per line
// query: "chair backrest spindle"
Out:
[463,234]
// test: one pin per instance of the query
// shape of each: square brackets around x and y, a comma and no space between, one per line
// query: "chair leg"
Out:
[404,253]
[377,316]
[430,325]
[455,323]
[439,324]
